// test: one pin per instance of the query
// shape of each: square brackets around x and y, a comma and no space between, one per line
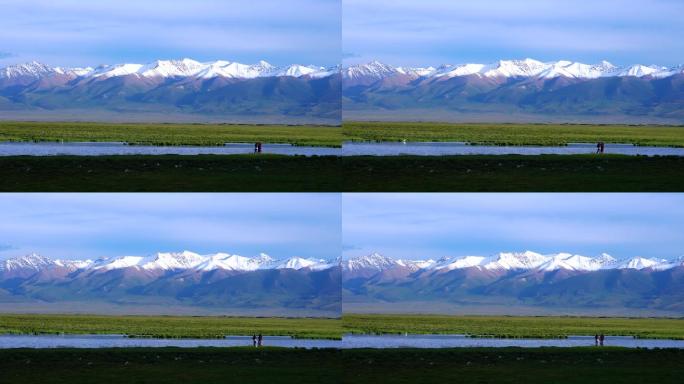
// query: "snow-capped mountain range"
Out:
[169,69]
[220,282]
[511,68]
[505,282]
[186,90]
[510,261]
[516,91]
[166,261]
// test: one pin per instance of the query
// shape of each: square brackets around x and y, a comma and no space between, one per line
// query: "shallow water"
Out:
[348,149]
[454,148]
[103,149]
[460,341]
[118,341]
[349,341]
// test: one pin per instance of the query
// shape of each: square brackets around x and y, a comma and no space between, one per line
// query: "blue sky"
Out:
[92,225]
[419,226]
[433,32]
[82,33]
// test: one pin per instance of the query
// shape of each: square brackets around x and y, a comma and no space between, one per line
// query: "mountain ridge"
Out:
[221,283]
[558,283]
[185,260]
[515,91]
[512,68]
[526,260]
[191,90]
[168,68]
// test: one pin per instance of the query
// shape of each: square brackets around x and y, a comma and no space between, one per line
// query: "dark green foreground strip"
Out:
[515,173]
[272,173]
[515,365]
[269,365]
[170,173]
[170,365]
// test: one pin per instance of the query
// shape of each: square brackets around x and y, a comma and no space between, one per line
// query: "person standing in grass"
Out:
[602,338]
[254,340]
[596,339]
[261,338]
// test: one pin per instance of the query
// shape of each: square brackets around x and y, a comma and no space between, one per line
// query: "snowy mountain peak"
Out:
[571,262]
[639,70]
[642,263]
[31,261]
[516,260]
[374,261]
[31,69]
[515,68]
[171,68]
[169,261]
[607,65]
[506,261]
[265,64]
[374,69]
[463,262]
[300,263]
[299,70]
[264,258]
[606,259]
[511,68]
[185,67]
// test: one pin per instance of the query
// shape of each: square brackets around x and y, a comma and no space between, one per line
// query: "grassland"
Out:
[170,326]
[271,365]
[515,134]
[218,134]
[171,134]
[272,173]
[514,327]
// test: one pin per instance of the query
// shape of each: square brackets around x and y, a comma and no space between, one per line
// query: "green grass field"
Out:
[272,365]
[217,134]
[171,134]
[514,327]
[272,173]
[171,326]
[515,134]
[212,327]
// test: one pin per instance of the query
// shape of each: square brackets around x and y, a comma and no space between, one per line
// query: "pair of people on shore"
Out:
[599,339]
[600,147]
[257,341]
